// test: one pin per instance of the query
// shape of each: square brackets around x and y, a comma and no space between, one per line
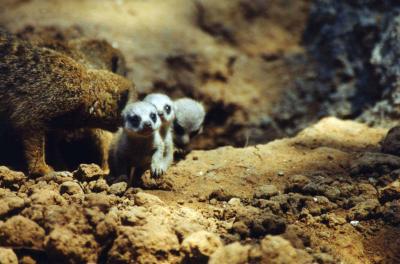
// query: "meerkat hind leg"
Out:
[34,149]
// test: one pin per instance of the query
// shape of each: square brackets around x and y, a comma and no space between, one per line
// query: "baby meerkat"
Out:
[43,90]
[138,144]
[166,112]
[189,118]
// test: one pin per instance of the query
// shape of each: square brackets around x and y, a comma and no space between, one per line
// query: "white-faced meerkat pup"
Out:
[43,90]
[188,123]
[137,146]
[166,112]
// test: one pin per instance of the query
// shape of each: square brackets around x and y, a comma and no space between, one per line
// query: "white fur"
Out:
[189,116]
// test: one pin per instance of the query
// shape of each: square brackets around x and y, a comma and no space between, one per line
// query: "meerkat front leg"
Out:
[34,149]
[103,141]
[157,160]
[168,150]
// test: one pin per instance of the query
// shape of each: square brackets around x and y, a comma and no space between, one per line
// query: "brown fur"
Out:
[43,90]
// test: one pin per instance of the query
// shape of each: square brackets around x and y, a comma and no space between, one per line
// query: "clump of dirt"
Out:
[318,197]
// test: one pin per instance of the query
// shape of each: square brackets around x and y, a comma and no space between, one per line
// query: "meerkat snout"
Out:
[188,123]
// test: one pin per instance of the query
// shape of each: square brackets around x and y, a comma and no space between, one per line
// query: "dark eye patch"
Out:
[134,120]
[153,117]
[178,129]
[167,109]
[194,133]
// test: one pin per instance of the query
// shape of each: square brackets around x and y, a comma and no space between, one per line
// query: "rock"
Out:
[275,249]
[9,202]
[145,199]
[199,246]
[220,195]
[118,188]
[324,258]
[319,205]
[370,162]
[348,65]
[71,188]
[241,228]
[57,176]
[7,256]
[47,197]
[297,183]
[266,191]
[151,243]
[390,192]
[365,210]
[89,172]
[21,232]
[107,227]
[235,202]
[391,212]
[99,186]
[9,177]
[391,143]
[234,253]
[63,244]
[99,200]
[134,216]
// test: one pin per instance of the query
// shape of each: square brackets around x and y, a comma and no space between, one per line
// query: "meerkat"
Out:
[43,90]
[94,54]
[188,123]
[138,145]
[166,112]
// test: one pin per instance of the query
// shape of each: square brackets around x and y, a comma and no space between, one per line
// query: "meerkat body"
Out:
[43,90]
[188,123]
[138,145]
[165,110]
[94,54]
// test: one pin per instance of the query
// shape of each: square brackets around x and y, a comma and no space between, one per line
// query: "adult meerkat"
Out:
[138,144]
[188,123]
[166,112]
[43,90]
[94,54]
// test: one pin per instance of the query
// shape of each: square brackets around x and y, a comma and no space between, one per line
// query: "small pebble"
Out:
[354,223]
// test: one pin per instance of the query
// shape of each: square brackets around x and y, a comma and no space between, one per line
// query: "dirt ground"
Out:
[325,196]
[253,194]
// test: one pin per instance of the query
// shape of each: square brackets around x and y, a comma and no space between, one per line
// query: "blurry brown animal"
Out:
[43,90]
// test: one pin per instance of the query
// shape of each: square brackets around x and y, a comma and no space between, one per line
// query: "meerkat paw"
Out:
[41,170]
[157,171]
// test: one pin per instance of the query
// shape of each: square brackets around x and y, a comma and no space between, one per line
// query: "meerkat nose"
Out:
[147,125]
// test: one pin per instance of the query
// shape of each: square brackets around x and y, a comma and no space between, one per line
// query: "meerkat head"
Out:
[100,55]
[188,122]
[107,96]
[140,119]
[164,105]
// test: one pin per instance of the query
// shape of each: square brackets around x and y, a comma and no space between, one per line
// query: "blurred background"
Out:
[263,68]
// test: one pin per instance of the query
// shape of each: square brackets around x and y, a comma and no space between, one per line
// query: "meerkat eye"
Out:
[167,109]
[134,120]
[153,117]
[178,129]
